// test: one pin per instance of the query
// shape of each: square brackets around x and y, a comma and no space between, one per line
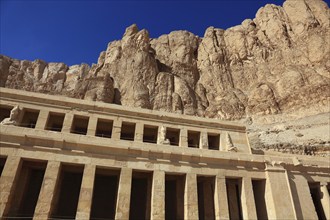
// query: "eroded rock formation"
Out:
[272,67]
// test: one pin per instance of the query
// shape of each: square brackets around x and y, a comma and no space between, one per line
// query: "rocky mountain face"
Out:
[271,73]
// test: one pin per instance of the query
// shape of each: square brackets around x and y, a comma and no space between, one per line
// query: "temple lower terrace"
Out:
[64,158]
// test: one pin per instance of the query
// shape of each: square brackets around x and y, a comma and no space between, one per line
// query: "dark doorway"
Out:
[140,196]
[150,134]
[193,139]
[316,196]
[127,131]
[206,197]
[67,196]
[104,128]
[234,198]
[173,135]
[214,141]
[5,112]
[79,125]
[55,121]
[105,194]
[26,193]
[259,187]
[29,119]
[174,197]
[2,164]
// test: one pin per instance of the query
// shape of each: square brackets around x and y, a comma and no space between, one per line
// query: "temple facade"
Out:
[64,158]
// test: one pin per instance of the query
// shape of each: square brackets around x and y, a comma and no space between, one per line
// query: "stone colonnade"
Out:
[277,195]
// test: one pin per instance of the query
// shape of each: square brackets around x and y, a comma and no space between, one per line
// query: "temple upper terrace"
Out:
[56,122]
[68,115]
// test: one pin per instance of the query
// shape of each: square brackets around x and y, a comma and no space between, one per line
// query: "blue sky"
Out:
[76,32]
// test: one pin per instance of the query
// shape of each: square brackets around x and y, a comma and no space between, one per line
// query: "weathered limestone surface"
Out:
[86,193]
[124,194]
[247,198]
[7,183]
[303,202]
[268,71]
[191,197]
[221,202]
[277,181]
[44,205]
[158,195]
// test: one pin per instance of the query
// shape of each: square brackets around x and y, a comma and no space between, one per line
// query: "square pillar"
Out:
[124,194]
[325,199]
[67,123]
[191,197]
[221,201]
[158,195]
[183,137]
[116,129]
[8,182]
[44,205]
[279,205]
[86,193]
[138,136]
[42,119]
[203,142]
[302,198]
[223,141]
[161,137]
[247,198]
[91,129]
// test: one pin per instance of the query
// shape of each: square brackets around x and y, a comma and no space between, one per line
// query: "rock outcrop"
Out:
[272,67]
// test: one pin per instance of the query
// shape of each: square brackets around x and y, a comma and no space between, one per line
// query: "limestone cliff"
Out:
[271,73]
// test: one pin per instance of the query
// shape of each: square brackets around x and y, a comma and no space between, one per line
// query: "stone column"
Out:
[44,205]
[124,194]
[8,182]
[160,134]
[158,195]
[116,129]
[42,119]
[203,142]
[138,136]
[302,197]
[183,137]
[222,146]
[325,199]
[86,193]
[221,201]
[247,199]
[279,205]
[92,124]
[191,197]
[67,123]
[161,137]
